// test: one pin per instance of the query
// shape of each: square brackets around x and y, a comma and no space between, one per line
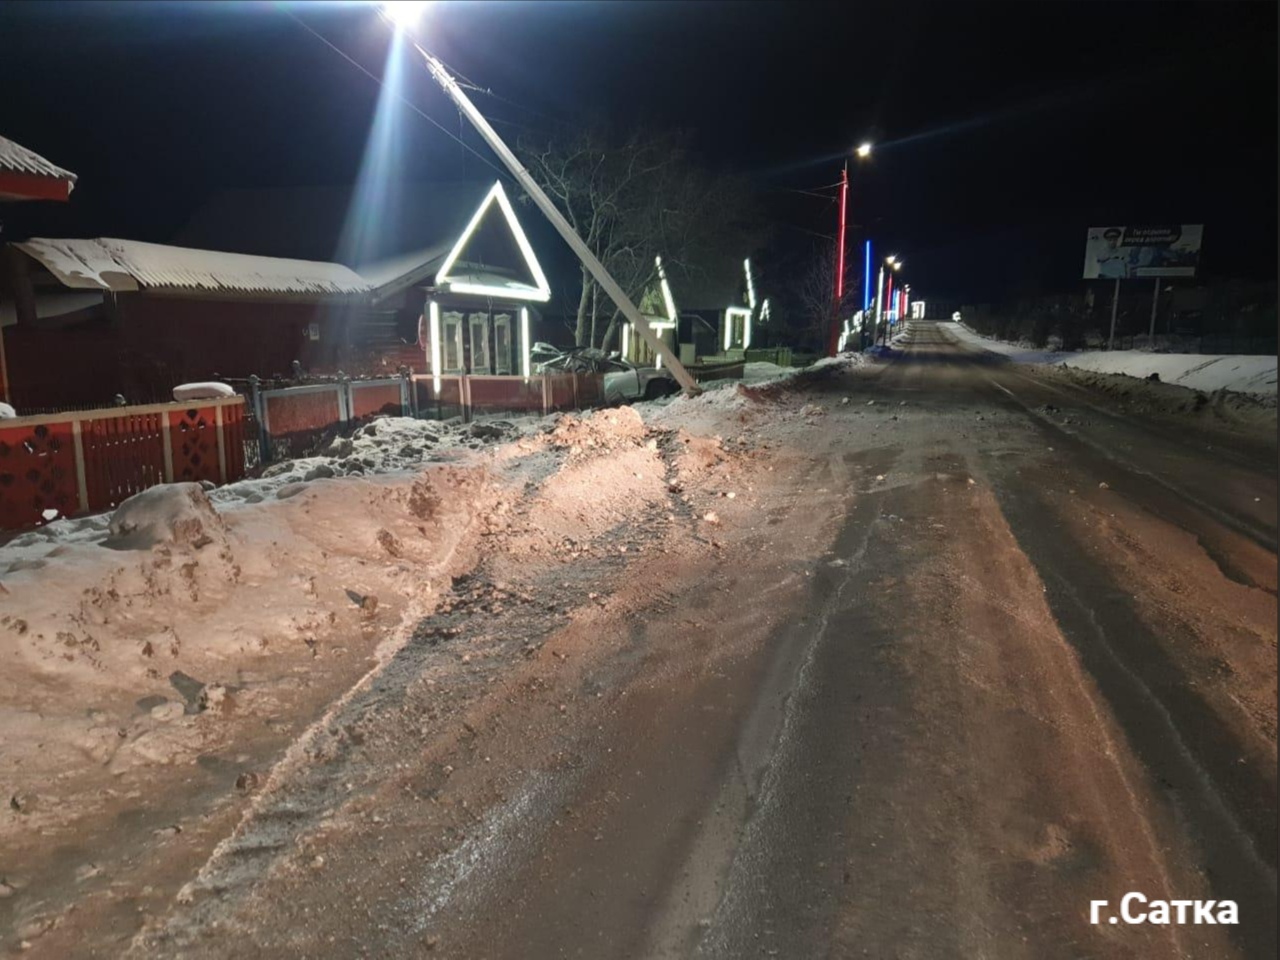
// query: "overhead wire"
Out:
[399,96]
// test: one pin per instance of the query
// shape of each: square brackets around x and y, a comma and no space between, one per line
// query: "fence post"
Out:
[166,443]
[577,405]
[345,404]
[408,395]
[219,425]
[82,482]
[260,415]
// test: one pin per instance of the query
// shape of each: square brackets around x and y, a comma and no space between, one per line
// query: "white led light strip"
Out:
[435,346]
[542,293]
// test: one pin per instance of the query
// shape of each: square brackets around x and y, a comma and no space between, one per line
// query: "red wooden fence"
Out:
[66,464]
[465,395]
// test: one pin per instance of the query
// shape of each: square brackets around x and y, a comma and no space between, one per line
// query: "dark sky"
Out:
[1004,129]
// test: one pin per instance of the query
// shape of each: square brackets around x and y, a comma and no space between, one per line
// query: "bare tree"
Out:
[815,294]
[632,199]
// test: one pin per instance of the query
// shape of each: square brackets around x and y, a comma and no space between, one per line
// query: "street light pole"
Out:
[628,309]
[834,339]
[879,303]
[1155,307]
[1115,307]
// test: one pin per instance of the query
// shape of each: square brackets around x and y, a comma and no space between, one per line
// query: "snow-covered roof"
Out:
[417,236]
[16,158]
[395,273]
[124,265]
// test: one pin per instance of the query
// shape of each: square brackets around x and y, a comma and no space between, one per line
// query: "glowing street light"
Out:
[863,151]
[403,13]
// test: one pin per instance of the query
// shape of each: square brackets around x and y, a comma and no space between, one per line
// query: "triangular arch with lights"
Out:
[539,291]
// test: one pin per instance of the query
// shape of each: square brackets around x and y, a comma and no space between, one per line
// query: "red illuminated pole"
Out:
[888,301]
[833,341]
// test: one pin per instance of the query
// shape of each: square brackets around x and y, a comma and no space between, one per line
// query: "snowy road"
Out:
[965,650]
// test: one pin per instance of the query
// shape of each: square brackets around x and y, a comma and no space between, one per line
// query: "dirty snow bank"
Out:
[1206,373]
[736,400]
[265,600]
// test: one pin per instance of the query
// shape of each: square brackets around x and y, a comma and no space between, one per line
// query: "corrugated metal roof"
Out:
[16,158]
[124,265]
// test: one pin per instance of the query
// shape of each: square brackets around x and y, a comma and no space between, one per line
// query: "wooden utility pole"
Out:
[589,260]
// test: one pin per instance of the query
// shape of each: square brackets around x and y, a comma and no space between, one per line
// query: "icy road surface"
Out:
[912,659]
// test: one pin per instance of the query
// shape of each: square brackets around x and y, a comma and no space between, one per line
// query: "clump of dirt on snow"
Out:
[697,456]
[600,431]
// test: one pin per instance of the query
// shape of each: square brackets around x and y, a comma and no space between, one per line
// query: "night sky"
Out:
[1005,130]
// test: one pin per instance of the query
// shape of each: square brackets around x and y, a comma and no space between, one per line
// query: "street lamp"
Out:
[403,13]
[863,151]
[884,288]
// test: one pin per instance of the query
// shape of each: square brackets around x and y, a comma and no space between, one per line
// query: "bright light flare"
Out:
[864,150]
[405,14]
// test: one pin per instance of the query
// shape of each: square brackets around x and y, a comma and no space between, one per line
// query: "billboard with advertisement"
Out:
[1131,253]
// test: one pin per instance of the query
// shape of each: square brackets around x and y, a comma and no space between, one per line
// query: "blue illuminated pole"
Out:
[866,293]
[866,279]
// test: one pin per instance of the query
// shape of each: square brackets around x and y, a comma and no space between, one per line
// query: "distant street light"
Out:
[884,292]
[864,150]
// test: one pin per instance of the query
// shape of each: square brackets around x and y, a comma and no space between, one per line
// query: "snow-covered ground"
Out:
[1206,373]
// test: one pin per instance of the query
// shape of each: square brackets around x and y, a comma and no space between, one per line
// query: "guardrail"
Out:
[66,464]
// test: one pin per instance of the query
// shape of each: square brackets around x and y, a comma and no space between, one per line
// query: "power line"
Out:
[399,96]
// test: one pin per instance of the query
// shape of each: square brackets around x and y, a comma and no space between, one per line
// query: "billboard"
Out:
[1131,253]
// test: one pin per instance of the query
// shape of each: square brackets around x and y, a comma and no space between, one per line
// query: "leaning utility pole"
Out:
[597,269]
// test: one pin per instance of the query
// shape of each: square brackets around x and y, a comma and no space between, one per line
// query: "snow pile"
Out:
[1019,352]
[843,361]
[706,408]
[601,430]
[208,390]
[1206,373]
[177,513]
[763,371]
[386,445]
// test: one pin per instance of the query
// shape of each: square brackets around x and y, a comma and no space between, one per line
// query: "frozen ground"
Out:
[1207,374]
[708,677]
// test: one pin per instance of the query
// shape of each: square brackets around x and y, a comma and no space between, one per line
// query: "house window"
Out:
[451,341]
[502,343]
[737,322]
[479,326]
